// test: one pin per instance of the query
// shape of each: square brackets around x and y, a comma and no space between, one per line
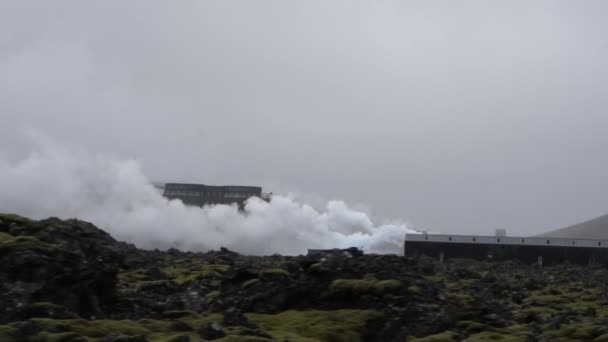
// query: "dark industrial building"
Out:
[543,250]
[200,194]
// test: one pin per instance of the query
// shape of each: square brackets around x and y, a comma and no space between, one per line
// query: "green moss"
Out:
[132,277]
[172,337]
[272,273]
[46,309]
[172,314]
[436,278]
[183,272]
[586,331]
[213,294]
[59,337]
[470,326]
[442,337]
[544,300]
[539,313]
[337,326]
[318,268]
[45,306]
[359,286]
[7,333]
[460,299]
[249,282]
[519,328]
[18,243]
[492,336]
[233,338]
[295,326]
[14,218]
[414,290]
[98,328]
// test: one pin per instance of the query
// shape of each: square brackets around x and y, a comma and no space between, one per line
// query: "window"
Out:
[450,238]
[547,242]
[522,240]
[474,239]
[498,240]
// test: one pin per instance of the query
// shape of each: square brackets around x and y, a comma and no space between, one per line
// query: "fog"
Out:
[57,181]
[454,117]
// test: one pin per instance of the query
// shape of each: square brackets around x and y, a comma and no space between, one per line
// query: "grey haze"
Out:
[457,116]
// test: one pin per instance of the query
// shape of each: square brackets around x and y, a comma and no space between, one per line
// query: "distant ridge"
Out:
[592,229]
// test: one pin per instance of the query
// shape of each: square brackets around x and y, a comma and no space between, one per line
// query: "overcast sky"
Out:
[457,116]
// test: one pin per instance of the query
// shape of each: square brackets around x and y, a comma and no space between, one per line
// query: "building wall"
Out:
[527,250]
[200,195]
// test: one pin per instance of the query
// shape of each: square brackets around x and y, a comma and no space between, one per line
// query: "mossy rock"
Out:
[233,338]
[588,331]
[273,273]
[10,243]
[492,336]
[14,218]
[185,271]
[172,314]
[316,325]
[7,333]
[446,336]
[460,299]
[58,337]
[318,268]
[178,338]
[361,286]
[250,283]
[132,278]
[470,326]
[545,300]
[96,328]
[213,295]
[414,290]
[49,310]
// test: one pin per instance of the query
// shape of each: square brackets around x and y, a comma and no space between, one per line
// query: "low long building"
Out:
[526,249]
[201,195]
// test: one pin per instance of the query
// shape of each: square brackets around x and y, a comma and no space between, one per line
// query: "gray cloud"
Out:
[460,117]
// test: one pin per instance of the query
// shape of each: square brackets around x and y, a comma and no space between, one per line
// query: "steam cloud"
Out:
[115,195]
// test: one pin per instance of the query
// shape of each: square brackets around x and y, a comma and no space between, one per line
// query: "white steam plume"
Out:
[118,197]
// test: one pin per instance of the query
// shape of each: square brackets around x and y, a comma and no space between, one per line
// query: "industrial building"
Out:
[201,195]
[543,250]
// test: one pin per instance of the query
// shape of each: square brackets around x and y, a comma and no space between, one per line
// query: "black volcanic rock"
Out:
[70,263]
[70,281]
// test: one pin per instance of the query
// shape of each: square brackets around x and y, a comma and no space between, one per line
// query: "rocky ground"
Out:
[70,281]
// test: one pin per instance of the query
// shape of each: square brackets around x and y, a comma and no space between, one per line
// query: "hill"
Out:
[592,229]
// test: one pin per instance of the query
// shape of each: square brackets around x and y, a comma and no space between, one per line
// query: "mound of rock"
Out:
[56,268]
